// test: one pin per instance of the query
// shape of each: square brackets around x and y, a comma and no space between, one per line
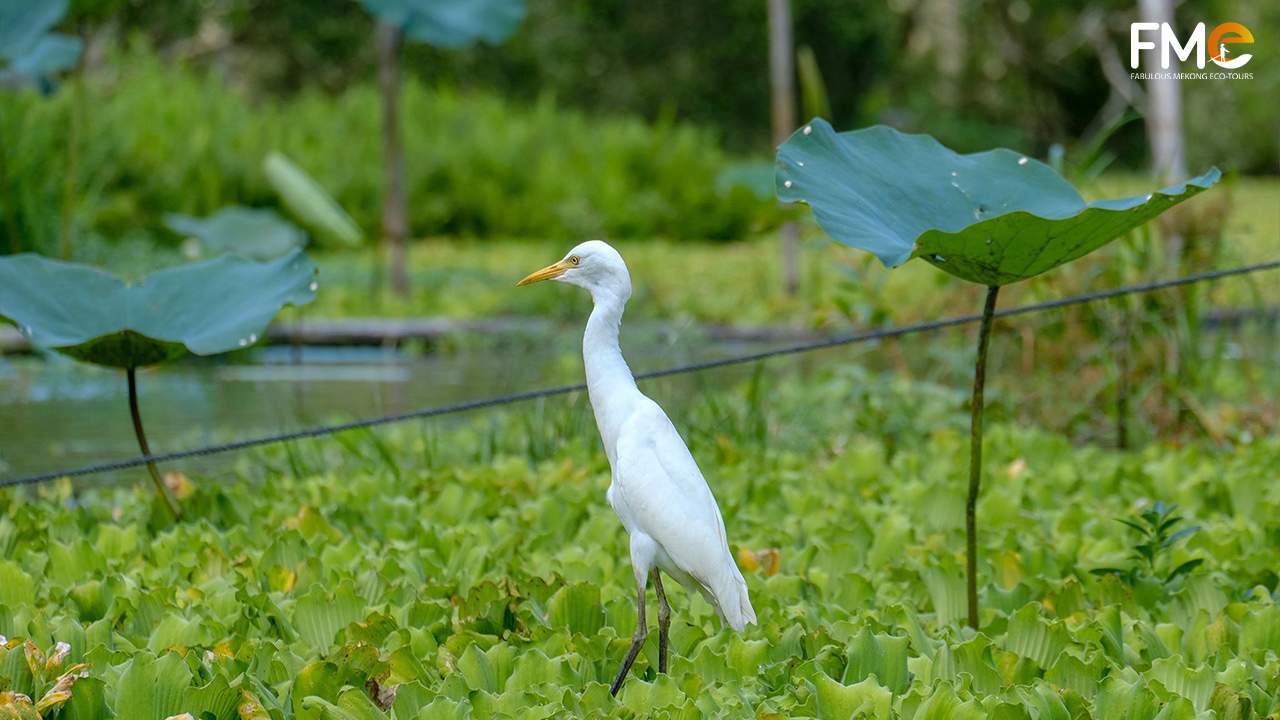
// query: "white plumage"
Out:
[657,490]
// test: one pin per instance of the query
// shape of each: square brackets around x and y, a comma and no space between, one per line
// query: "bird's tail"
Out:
[732,599]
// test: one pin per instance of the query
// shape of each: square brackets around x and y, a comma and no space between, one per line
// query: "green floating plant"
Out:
[992,218]
[204,308]
[254,233]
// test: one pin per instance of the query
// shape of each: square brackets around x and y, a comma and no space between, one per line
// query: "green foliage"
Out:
[205,308]
[252,233]
[992,218]
[171,139]
[1157,534]
[326,587]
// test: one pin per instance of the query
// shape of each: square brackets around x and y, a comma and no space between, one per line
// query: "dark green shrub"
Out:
[159,139]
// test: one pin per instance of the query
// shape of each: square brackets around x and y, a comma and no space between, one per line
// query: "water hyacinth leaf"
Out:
[255,233]
[1035,638]
[88,700]
[882,656]
[310,203]
[864,699]
[577,607]
[943,704]
[351,705]
[1180,680]
[319,616]
[204,308]
[994,217]
[18,707]
[319,679]
[153,688]
[1229,704]
[450,23]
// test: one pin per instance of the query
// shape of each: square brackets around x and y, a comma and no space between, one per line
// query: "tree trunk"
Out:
[10,208]
[1164,118]
[73,170]
[394,224]
[782,75]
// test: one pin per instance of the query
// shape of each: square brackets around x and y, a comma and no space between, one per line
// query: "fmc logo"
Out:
[1225,34]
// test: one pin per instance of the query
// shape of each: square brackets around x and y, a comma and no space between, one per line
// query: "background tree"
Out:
[444,24]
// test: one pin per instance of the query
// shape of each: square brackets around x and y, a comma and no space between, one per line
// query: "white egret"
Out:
[657,490]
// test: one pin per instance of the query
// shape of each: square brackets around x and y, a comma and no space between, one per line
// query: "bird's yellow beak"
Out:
[547,273]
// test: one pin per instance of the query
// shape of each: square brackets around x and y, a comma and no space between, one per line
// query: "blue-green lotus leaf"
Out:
[22,24]
[992,217]
[450,23]
[51,54]
[29,53]
[254,233]
[204,308]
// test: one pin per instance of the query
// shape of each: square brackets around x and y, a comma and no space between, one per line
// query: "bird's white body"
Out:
[657,489]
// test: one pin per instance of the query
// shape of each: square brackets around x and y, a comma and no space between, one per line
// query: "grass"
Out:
[476,571]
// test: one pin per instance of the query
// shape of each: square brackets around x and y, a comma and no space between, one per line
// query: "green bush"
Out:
[155,139]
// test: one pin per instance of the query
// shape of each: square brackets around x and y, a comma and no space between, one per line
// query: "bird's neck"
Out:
[610,384]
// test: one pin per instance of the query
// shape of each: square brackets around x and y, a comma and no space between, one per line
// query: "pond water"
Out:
[58,414]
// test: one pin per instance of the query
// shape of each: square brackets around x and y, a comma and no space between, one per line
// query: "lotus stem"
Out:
[161,490]
[975,455]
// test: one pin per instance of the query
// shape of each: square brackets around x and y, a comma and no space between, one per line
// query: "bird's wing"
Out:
[666,495]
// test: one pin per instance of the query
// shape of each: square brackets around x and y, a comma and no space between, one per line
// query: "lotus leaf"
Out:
[992,217]
[27,48]
[204,308]
[450,23]
[254,233]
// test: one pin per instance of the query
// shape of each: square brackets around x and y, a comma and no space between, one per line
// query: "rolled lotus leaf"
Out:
[450,23]
[310,203]
[204,308]
[254,233]
[992,217]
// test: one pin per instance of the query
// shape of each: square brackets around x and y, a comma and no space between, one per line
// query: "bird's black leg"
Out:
[637,641]
[664,620]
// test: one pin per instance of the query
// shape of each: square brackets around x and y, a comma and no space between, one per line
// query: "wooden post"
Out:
[782,75]
[394,224]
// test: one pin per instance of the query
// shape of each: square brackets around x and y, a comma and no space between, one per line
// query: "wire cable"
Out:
[495,401]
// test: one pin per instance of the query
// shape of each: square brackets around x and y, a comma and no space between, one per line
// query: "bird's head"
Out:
[593,265]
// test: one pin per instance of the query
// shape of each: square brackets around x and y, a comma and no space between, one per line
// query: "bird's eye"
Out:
[573,259]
